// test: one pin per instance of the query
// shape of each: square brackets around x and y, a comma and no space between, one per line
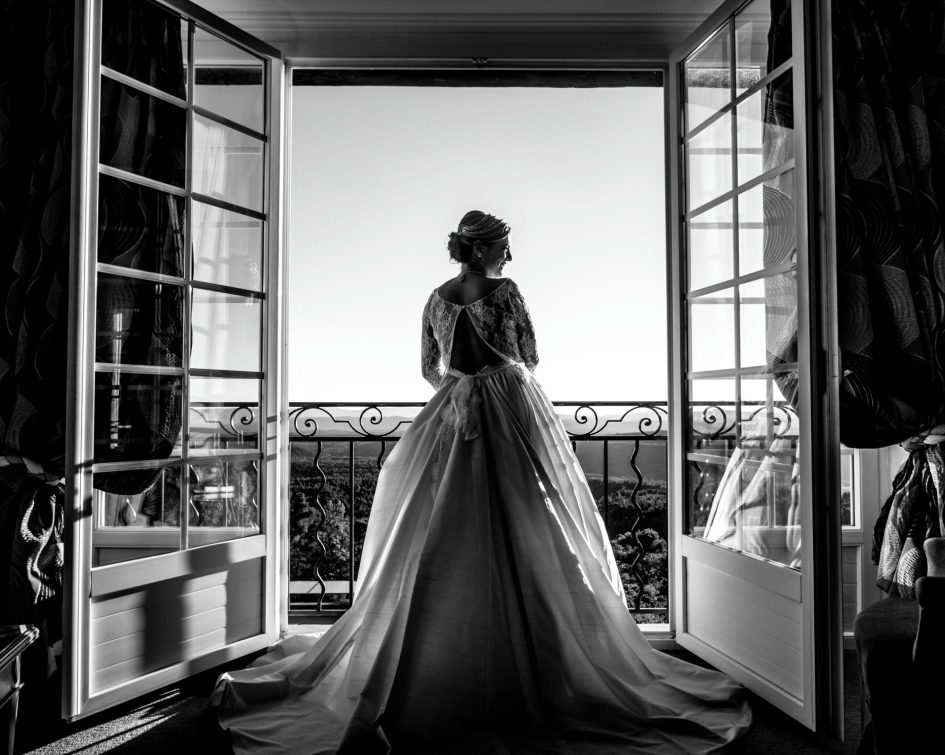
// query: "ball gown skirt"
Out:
[489,615]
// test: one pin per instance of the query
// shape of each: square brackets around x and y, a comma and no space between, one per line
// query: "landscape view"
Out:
[636,524]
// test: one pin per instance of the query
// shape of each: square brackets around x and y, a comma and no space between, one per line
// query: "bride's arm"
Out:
[527,347]
[430,362]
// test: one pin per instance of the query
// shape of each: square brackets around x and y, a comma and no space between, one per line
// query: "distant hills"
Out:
[651,458]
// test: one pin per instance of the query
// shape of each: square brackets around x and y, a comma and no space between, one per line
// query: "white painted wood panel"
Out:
[194,648]
[757,611]
[159,639]
[168,622]
[178,589]
[751,625]
[131,575]
[757,570]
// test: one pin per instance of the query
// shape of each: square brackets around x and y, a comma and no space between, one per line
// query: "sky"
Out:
[380,175]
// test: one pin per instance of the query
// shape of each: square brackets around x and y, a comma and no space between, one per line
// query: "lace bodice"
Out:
[500,318]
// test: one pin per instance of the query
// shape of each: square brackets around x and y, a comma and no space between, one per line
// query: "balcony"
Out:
[337,450]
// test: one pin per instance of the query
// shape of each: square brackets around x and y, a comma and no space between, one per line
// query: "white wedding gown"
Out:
[489,615]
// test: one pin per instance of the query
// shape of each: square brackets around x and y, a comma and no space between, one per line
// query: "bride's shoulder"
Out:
[447,287]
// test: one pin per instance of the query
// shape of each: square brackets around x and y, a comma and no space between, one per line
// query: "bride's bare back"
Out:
[470,353]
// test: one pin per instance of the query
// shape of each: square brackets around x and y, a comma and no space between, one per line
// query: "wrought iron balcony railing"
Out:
[338,449]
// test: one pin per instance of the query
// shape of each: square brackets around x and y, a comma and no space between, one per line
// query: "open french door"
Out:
[177,448]
[753,457]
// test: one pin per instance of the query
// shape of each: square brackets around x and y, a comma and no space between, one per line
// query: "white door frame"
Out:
[80,583]
[822,707]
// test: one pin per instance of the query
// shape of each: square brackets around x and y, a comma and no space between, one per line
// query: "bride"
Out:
[489,615]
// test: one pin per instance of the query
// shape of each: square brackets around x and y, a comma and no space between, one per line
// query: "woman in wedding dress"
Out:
[489,615]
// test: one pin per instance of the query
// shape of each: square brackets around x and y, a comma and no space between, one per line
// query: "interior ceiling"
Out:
[354,32]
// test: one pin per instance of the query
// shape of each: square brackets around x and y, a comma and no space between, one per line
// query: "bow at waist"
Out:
[462,413]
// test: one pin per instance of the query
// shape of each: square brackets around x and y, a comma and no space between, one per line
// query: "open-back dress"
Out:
[489,615]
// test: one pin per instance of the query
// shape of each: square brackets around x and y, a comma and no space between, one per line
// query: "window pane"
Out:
[849,511]
[765,415]
[765,521]
[712,416]
[761,43]
[228,165]
[224,413]
[226,331]
[705,481]
[146,42]
[712,331]
[139,322]
[709,78]
[229,81]
[137,417]
[768,321]
[138,525]
[224,501]
[710,162]
[711,255]
[227,248]
[140,228]
[766,225]
[749,504]
[142,134]
[765,129]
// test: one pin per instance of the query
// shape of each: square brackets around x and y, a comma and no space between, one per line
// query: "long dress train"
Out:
[489,615]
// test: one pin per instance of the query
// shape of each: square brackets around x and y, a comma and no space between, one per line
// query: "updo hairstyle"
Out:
[475,226]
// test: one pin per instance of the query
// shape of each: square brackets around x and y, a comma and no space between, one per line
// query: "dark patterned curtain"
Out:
[139,416]
[139,228]
[889,64]
[36,71]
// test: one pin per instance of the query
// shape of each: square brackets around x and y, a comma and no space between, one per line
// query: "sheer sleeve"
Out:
[525,331]
[430,362]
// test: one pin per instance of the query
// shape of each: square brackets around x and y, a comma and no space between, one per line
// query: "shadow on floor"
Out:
[177,720]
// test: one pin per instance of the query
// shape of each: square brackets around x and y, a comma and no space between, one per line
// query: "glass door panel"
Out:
[178,346]
[743,437]
[708,73]
[229,81]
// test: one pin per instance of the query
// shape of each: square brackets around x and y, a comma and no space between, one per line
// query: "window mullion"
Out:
[185,491]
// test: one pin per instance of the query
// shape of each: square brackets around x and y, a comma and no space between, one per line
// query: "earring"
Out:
[479,255]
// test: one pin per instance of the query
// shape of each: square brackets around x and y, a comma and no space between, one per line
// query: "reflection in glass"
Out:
[224,501]
[712,331]
[142,134]
[146,42]
[137,525]
[709,78]
[769,321]
[710,162]
[225,331]
[764,414]
[704,478]
[711,255]
[760,45]
[765,129]
[224,413]
[849,511]
[136,417]
[228,81]
[754,498]
[228,165]
[754,508]
[138,322]
[766,225]
[227,247]
[712,417]
[140,228]
[752,311]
